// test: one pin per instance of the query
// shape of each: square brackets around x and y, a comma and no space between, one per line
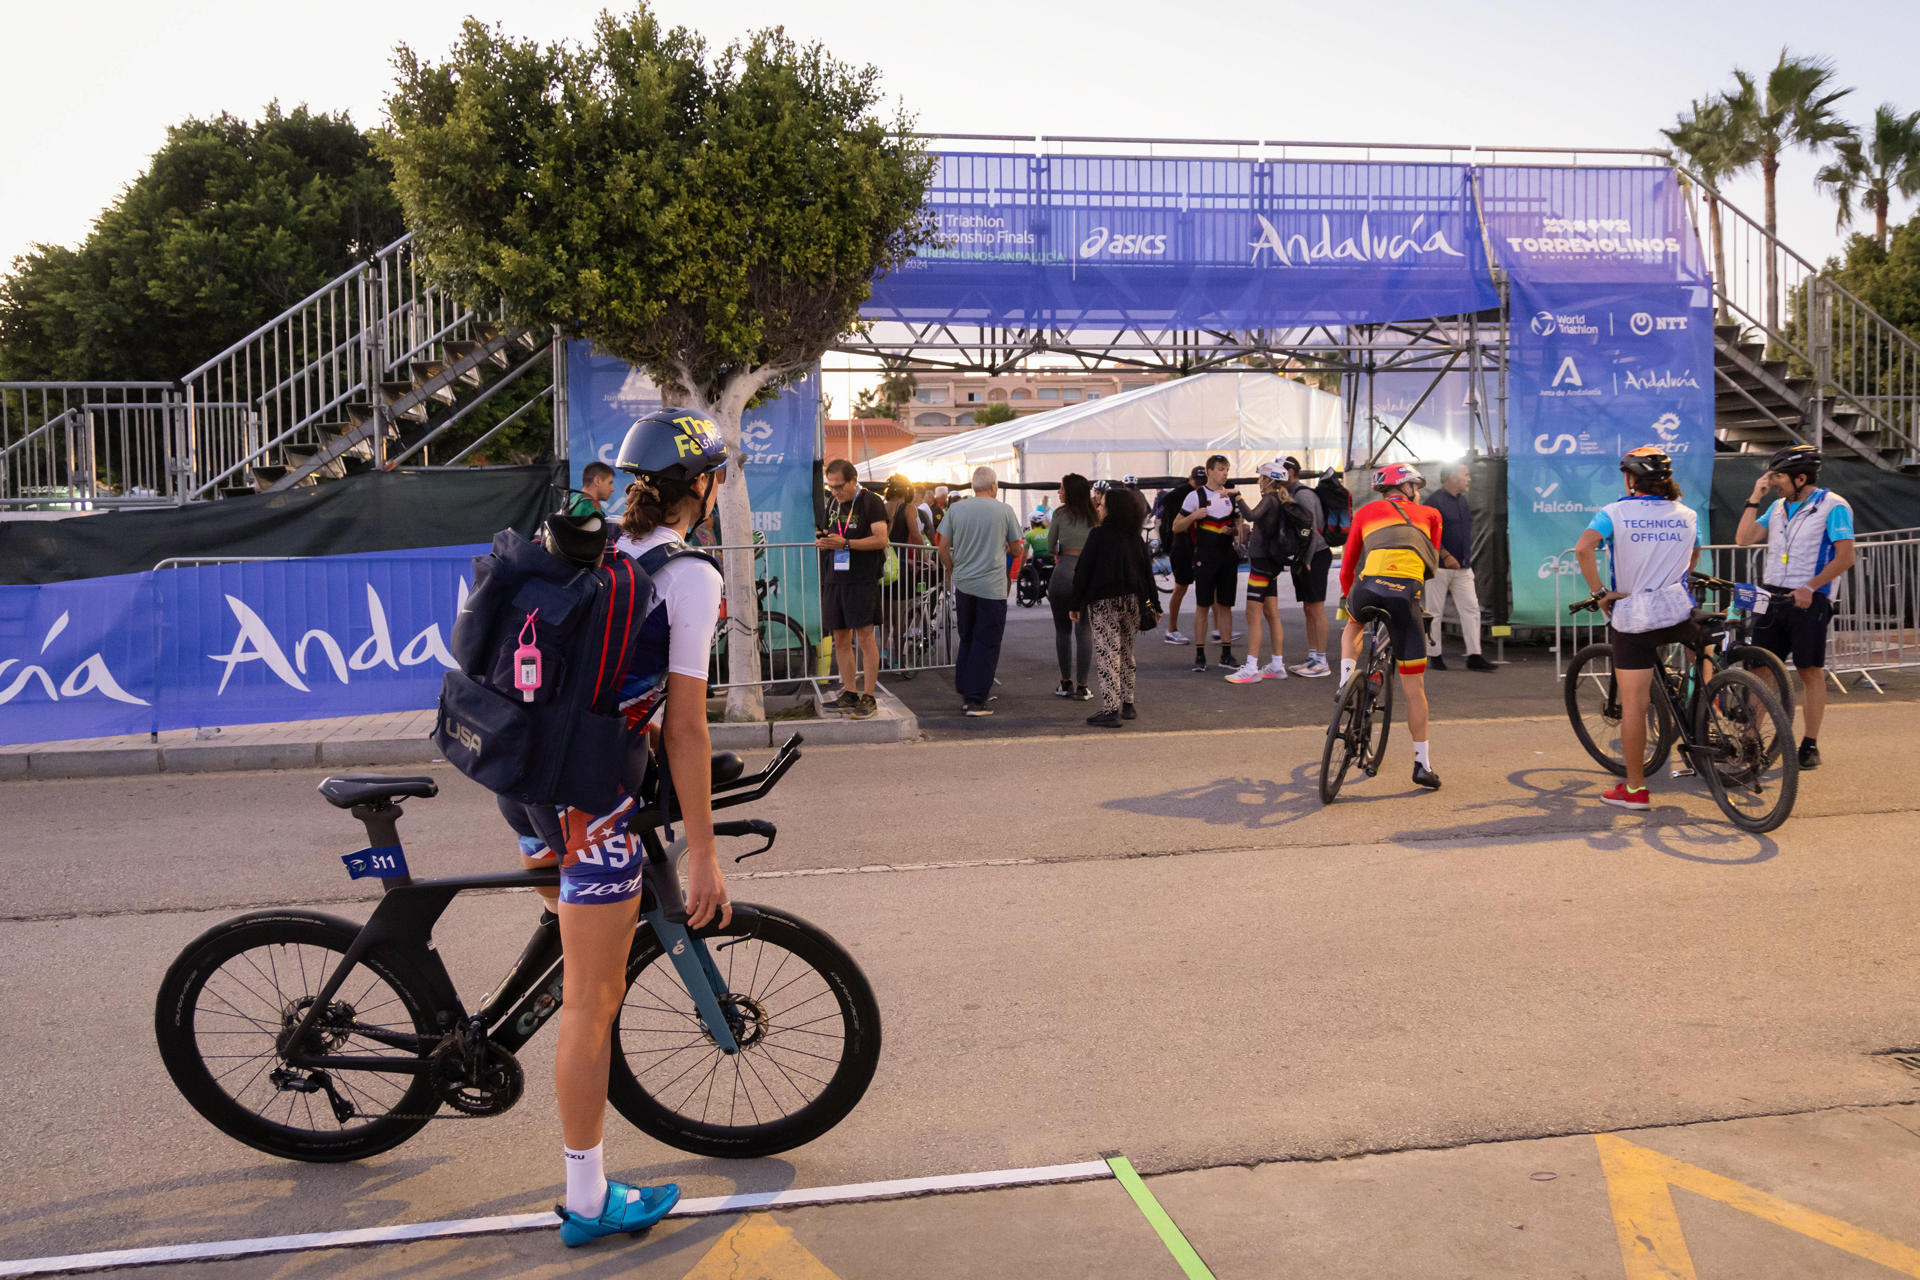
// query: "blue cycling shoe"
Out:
[622,1215]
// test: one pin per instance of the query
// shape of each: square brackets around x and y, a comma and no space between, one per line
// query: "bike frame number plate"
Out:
[385,861]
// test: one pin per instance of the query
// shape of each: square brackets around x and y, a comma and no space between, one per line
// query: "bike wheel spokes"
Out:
[257,996]
[784,1015]
[1753,770]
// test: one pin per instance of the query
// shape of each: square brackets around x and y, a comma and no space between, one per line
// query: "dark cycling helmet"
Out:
[1395,474]
[578,540]
[678,443]
[1648,463]
[1797,460]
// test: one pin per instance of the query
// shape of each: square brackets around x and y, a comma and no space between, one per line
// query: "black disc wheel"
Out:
[1746,752]
[1593,705]
[228,1005]
[799,1008]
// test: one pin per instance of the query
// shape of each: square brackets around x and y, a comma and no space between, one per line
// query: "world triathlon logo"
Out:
[1543,324]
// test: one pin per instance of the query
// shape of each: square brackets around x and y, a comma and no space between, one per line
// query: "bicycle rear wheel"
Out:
[784,651]
[802,1012]
[1346,737]
[1593,705]
[238,988]
[1754,660]
[1746,746]
[1379,721]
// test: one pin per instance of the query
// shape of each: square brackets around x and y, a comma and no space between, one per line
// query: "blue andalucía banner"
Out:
[1611,348]
[228,644]
[1084,241]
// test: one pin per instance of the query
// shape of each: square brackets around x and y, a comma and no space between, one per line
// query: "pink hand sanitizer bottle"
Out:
[526,661]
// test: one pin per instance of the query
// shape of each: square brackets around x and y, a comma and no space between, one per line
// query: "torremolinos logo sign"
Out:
[1299,250]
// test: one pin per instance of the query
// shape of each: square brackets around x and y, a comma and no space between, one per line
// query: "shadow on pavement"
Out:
[1258,804]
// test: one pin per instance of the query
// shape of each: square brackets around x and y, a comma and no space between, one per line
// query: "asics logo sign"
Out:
[1103,240]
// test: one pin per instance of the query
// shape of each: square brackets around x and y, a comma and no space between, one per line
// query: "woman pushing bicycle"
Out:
[678,462]
[1655,540]
[1388,558]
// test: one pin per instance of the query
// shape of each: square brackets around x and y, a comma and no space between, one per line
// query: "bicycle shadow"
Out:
[360,1197]
[1559,802]
[1255,804]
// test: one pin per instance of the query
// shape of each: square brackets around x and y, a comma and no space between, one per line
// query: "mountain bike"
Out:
[1729,727]
[1363,711]
[310,1037]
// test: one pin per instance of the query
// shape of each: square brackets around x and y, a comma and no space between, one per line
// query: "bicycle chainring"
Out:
[476,1080]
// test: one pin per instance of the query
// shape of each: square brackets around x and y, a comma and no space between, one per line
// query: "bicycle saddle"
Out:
[345,790]
[727,765]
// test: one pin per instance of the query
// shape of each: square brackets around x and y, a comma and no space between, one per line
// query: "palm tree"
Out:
[897,383]
[1793,109]
[1719,146]
[1877,167]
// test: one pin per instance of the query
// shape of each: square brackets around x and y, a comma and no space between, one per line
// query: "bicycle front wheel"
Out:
[238,989]
[800,1009]
[1346,737]
[1757,661]
[1746,746]
[1593,705]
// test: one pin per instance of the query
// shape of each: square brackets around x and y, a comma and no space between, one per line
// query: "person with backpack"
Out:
[1179,549]
[657,609]
[1276,540]
[1311,571]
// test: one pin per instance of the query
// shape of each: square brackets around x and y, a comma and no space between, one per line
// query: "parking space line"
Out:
[402,1233]
[1639,1183]
[1170,1234]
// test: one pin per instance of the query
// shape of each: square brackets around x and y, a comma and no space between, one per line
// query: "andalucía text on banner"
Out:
[1611,349]
[1086,242]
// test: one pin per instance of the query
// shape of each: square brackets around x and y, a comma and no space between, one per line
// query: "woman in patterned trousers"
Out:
[1112,586]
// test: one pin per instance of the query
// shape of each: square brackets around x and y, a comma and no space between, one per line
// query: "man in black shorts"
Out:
[853,550]
[1179,550]
[1310,575]
[1208,514]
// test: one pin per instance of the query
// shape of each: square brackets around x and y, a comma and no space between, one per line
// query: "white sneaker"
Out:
[1313,670]
[1174,637]
[1275,670]
[1247,672]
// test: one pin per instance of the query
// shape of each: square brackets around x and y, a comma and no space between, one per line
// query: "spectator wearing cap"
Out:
[1310,574]
[1179,548]
[1453,580]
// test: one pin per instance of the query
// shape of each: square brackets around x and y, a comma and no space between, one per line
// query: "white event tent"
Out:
[1162,430]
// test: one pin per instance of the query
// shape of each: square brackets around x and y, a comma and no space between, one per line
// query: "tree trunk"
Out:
[745,699]
[1880,220]
[1715,233]
[1770,170]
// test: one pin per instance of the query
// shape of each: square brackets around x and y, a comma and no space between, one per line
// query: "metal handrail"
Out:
[356,269]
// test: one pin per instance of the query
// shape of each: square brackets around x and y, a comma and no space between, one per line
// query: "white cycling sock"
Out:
[586,1181]
[1346,668]
[1420,755]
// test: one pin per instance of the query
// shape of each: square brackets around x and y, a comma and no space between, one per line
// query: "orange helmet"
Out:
[1395,474]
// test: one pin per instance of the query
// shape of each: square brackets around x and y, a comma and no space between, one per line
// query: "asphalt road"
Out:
[1158,944]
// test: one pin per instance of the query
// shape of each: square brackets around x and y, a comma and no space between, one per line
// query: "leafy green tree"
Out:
[1718,144]
[232,223]
[989,414]
[1794,108]
[1875,168]
[715,219]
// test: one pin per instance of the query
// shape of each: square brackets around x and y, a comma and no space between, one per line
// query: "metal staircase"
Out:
[1797,358]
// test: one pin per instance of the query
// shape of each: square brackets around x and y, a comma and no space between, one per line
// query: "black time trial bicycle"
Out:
[1363,712]
[310,1037]
[1727,724]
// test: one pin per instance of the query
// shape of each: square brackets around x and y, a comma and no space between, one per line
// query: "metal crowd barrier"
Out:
[1876,618]
[914,626]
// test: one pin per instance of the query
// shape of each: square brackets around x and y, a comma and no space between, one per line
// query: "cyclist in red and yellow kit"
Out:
[1388,558]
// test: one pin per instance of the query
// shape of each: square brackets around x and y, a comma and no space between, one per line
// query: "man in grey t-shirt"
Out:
[976,539]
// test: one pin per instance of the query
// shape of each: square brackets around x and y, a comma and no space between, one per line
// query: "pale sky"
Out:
[90,86]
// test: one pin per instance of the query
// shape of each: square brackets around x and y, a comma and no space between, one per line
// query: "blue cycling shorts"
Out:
[602,864]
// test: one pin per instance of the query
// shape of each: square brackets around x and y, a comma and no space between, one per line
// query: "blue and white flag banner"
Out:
[229,644]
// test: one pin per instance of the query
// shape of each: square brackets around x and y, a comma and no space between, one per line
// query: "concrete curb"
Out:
[894,722]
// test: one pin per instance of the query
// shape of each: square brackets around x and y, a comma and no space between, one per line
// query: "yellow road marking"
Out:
[1639,1185]
[759,1248]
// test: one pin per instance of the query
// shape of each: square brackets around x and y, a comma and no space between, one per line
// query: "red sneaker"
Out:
[1621,798]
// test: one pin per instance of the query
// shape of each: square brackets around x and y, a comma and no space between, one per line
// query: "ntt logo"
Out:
[1102,239]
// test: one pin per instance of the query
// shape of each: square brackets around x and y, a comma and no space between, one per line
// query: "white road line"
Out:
[401,1233]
